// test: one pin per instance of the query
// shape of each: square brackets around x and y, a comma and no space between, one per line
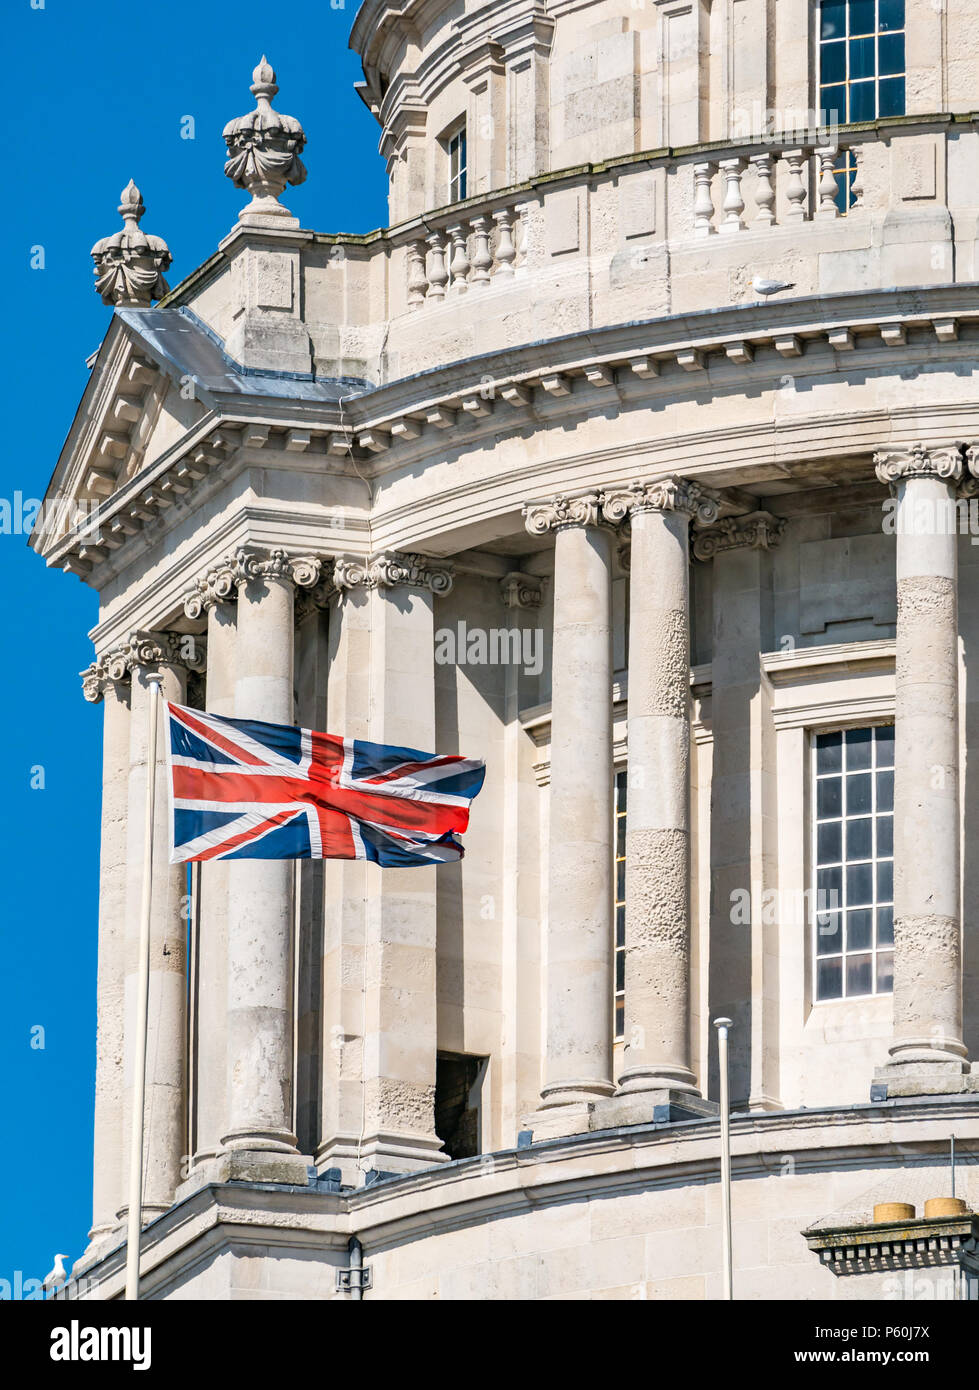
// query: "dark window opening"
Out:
[458,1082]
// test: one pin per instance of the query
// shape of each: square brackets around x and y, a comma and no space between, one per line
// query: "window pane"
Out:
[619,836]
[860,975]
[859,930]
[884,739]
[885,836]
[833,17]
[890,54]
[829,889]
[862,16]
[859,884]
[885,926]
[829,979]
[620,970]
[891,97]
[890,14]
[620,926]
[885,882]
[829,797]
[829,752]
[832,105]
[885,791]
[885,973]
[861,59]
[829,936]
[862,100]
[858,792]
[858,838]
[619,881]
[858,749]
[829,841]
[832,63]
[619,1017]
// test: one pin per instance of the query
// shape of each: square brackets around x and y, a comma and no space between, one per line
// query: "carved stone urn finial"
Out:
[129,266]
[263,150]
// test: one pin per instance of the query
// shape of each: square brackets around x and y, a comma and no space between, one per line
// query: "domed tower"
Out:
[637,456]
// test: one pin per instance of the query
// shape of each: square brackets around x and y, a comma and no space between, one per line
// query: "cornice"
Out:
[549,383]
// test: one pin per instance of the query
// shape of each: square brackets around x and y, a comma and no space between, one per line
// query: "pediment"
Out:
[132,410]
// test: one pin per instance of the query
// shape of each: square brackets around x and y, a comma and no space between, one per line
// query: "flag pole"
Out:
[722,1025]
[135,1214]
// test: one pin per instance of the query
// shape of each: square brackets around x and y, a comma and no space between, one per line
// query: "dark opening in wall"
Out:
[458,1080]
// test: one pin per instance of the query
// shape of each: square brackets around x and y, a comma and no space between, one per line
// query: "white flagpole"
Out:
[142,1007]
[722,1025]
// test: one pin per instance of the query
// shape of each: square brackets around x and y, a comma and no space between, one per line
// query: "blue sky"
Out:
[97,95]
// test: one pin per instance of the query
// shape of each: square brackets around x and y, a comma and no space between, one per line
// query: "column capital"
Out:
[754,531]
[388,569]
[563,512]
[148,649]
[249,564]
[108,668]
[521,590]
[670,494]
[946,463]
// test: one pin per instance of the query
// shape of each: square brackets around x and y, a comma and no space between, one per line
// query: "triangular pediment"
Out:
[134,407]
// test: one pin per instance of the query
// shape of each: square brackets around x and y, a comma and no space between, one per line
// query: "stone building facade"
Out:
[549,471]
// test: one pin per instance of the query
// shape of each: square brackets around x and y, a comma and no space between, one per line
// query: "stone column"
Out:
[743,956]
[107,679]
[260,894]
[657,1079]
[927,1052]
[344,1024]
[578,1061]
[213,596]
[399,1045]
[165,1120]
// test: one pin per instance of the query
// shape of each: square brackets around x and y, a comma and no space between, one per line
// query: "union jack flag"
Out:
[242,789]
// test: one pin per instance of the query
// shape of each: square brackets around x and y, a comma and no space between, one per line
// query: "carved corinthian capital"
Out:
[109,668]
[151,649]
[893,466]
[541,517]
[264,148]
[756,531]
[247,565]
[521,590]
[671,494]
[386,571]
[129,266]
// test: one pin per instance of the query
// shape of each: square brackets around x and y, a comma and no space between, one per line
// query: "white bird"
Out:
[55,1278]
[765,287]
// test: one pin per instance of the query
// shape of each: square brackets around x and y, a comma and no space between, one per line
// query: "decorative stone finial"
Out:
[264,149]
[129,266]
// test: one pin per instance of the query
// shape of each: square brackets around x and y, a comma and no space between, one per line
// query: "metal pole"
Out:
[134,1224]
[722,1025]
[953,1165]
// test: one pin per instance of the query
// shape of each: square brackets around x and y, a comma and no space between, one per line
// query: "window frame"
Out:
[457,181]
[876,949]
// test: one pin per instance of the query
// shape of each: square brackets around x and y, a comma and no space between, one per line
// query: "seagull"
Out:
[55,1278]
[764,287]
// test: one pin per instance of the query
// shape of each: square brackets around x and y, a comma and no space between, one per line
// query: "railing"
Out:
[747,186]
[838,188]
[467,252]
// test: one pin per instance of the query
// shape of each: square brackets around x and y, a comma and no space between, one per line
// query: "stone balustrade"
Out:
[776,186]
[466,250]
